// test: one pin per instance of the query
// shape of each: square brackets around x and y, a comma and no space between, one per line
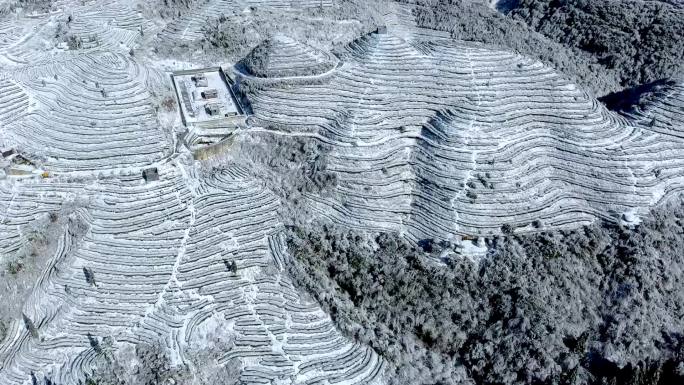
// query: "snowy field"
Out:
[428,137]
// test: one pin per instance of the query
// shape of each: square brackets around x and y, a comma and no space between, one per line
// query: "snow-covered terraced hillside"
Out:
[663,112]
[428,137]
[93,112]
[158,254]
[439,138]
[112,26]
[20,205]
[11,33]
[67,307]
[13,101]
[18,39]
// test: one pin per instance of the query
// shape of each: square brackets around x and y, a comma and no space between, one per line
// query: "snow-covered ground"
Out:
[428,137]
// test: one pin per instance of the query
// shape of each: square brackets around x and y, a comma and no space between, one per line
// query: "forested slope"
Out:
[640,40]
[603,304]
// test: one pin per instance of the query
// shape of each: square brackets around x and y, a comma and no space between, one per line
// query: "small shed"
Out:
[200,80]
[213,109]
[150,174]
[382,30]
[211,93]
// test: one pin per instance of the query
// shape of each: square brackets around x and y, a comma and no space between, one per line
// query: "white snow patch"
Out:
[630,218]
[474,251]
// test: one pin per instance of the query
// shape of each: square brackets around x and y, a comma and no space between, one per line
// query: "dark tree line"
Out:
[598,305]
